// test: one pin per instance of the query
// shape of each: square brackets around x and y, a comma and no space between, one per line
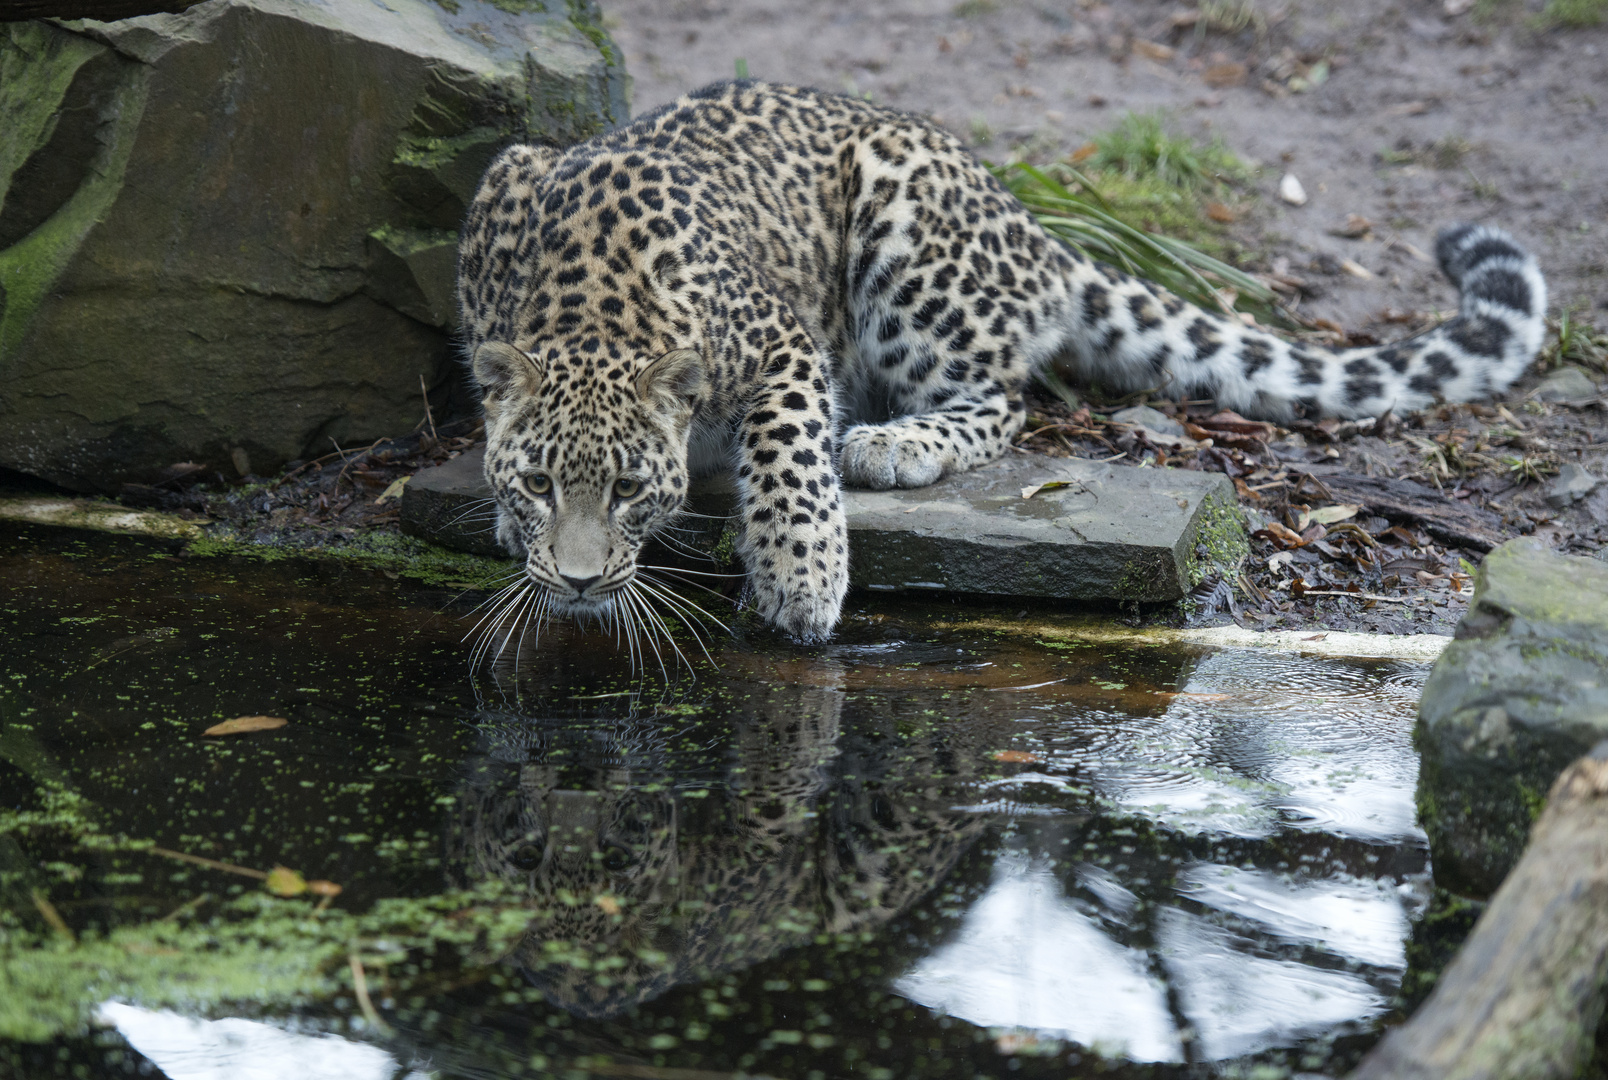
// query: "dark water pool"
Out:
[934,848]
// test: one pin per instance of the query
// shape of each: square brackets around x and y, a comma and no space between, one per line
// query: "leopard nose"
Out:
[580,585]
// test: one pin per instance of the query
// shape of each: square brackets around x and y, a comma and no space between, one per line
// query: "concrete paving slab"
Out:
[1026,525]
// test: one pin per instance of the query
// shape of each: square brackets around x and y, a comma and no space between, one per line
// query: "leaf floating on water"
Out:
[1017,757]
[283,881]
[242,725]
[1048,485]
[320,887]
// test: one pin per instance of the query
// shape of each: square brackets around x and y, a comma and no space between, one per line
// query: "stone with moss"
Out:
[1520,693]
[1027,525]
[227,235]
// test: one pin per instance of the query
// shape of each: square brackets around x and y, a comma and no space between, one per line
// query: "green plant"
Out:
[1575,13]
[1231,16]
[1139,145]
[1573,341]
[1069,204]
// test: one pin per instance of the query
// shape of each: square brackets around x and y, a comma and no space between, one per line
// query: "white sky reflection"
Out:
[1026,957]
[234,1049]
[1253,745]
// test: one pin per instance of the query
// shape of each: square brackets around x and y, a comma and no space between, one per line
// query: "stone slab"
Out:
[451,505]
[1520,693]
[1100,532]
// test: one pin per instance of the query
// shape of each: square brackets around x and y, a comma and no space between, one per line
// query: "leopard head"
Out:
[586,455]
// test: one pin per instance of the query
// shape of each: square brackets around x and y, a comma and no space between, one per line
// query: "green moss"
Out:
[426,151]
[1220,544]
[403,241]
[1533,799]
[37,65]
[584,16]
[1434,942]
[36,68]
[405,556]
[1144,578]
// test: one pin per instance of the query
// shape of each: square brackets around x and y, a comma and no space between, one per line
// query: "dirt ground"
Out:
[1424,119]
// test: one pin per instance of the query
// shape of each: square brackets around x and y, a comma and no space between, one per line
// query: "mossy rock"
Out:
[1522,692]
[227,235]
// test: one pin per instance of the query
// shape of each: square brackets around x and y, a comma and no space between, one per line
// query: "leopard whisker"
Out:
[641,609]
[700,573]
[515,621]
[684,616]
[494,603]
[678,602]
[492,622]
[683,547]
[537,619]
[664,628]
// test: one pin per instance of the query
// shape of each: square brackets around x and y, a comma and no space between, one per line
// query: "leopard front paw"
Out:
[797,577]
[879,458]
[806,616]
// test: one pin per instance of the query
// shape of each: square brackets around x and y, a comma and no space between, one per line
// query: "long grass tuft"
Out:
[1068,204]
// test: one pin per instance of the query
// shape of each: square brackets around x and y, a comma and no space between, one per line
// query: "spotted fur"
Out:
[798,829]
[801,285]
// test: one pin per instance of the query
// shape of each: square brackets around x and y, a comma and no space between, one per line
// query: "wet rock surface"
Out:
[1027,525]
[1522,692]
[227,235]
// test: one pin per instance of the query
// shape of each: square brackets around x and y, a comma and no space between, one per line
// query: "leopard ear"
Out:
[672,379]
[501,369]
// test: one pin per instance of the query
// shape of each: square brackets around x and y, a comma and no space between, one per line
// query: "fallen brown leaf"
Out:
[1083,153]
[1218,212]
[1016,756]
[1153,49]
[242,725]
[1222,76]
[1355,228]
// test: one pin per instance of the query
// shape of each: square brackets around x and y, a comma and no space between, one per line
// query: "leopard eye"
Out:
[625,487]
[539,483]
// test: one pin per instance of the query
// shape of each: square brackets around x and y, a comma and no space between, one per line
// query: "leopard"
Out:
[793,823]
[815,291]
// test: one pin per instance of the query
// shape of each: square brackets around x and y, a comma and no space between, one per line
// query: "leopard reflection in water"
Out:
[787,831]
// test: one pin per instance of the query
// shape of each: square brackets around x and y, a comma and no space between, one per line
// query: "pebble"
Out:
[1291,191]
[1566,384]
[1572,484]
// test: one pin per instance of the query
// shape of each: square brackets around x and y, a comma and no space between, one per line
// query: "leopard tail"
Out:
[1126,334]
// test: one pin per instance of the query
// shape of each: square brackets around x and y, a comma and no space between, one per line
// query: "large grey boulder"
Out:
[227,235]
[1520,693]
